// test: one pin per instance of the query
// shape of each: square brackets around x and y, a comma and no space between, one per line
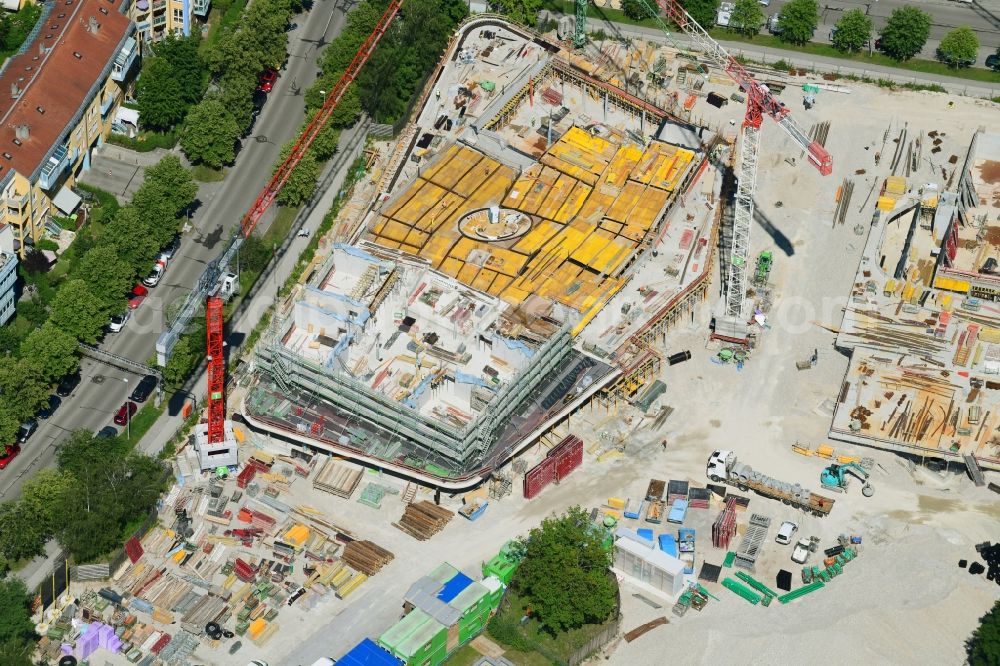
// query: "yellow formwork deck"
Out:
[590,201]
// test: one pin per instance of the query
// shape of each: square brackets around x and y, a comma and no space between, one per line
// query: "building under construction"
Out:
[923,322]
[541,228]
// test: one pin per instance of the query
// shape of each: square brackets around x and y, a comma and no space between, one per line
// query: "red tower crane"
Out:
[213,308]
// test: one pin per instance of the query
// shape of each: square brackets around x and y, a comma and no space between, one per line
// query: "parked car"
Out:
[118,321]
[170,250]
[143,389]
[126,412]
[137,296]
[294,26]
[993,61]
[9,453]
[26,430]
[154,276]
[67,384]
[267,79]
[50,407]
[802,551]
[107,432]
[785,532]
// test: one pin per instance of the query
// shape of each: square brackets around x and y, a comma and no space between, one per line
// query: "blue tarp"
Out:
[367,653]
[463,378]
[645,533]
[454,587]
[668,544]
[515,344]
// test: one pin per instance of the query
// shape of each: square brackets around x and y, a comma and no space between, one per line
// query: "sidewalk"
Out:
[823,64]
[263,295]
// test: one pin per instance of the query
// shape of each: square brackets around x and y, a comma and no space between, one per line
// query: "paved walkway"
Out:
[823,64]
[119,170]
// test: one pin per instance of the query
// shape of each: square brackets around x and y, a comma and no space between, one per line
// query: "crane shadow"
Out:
[781,241]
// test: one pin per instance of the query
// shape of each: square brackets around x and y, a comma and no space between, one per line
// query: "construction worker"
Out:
[878,158]
[664,443]
[437,93]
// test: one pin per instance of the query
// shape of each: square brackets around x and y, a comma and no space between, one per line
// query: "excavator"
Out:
[835,477]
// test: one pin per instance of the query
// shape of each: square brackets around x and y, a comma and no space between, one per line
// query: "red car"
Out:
[125,413]
[267,78]
[138,295]
[10,452]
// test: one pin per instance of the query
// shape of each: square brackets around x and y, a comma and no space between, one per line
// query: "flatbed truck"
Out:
[723,467]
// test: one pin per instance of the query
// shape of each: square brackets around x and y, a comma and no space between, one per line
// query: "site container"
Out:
[538,477]
[501,567]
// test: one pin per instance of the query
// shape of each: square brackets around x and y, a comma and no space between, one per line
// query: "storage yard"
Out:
[500,312]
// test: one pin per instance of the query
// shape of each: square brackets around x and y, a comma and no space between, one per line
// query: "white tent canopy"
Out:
[130,116]
[66,200]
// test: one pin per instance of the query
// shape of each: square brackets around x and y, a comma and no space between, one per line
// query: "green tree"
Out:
[637,10]
[43,494]
[702,11]
[17,652]
[170,180]
[134,237]
[236,94]
[302,182]
[23,386]
[210,133]
[564,573]
[853,31]
[15,611]
[159,96]
[959,48]
[524,12]
[798,21]
[747,17]
[9,422]
[905,32]
[188,67]
[22,534]
[181,362]
[78,311]
[107,276]
[983,648]
[52,350]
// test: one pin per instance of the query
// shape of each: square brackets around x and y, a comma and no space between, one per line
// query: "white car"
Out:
[785,532]
[802,551]
[118,321]
[154,276]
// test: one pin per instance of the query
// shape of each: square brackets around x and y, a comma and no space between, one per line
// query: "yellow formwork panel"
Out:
[566,241]
[455,168]
[468,273]
[557,197]
[378,226]
[621,209]
[396,231]
[622,165]
[415,251]
[574,202]
[506,261]
[592,247]
[431,171]
[649,206]
[416,238]
[451,266]
[483,279]
[633,232]
[612,226]
[500,283]
[422,201]
[612,257]
[440,212]
[463,247]
[473,178]
[574,164]
[514,295]
[437,248]
[537,236]
[387,243]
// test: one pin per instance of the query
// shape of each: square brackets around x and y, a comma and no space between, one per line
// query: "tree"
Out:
[187,64]
[301,182]
[172,181]
[564,573]
[959,47]
[159,95]
[78,311]
[983,648]
[22,535]
[747,17]
[135,238]
[996,60]
[107,276]
[524,12]
[23,386]
[637,10]
[52,350]
[210,133]
[906,32]
[853,31]
[702,11]
[42,495]
[15,611]
[35,261]
[798,21]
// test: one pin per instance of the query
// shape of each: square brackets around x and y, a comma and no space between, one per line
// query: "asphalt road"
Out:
[221,205]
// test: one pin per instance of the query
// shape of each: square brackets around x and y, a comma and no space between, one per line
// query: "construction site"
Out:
[589,277]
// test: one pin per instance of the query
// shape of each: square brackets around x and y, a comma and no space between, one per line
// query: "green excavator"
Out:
[835,477]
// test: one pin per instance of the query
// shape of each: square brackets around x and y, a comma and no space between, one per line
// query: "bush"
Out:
[145,142]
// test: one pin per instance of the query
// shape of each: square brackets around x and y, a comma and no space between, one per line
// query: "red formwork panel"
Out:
[538,477]
[568,456]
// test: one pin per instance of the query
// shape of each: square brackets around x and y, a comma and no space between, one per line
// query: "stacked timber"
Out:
[338,477]
[424,519]
[366,557]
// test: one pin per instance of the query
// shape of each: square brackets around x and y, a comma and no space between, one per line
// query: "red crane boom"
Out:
[280,177]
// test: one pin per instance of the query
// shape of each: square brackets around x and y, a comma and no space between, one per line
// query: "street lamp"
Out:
[128,412]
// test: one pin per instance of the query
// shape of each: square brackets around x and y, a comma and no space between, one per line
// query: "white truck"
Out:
[723,467]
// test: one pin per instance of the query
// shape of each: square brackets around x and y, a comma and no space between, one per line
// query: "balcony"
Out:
[109,101]
[125,59]
[141,9]
[159,21]
[54,167]
[159,4]
[201,7]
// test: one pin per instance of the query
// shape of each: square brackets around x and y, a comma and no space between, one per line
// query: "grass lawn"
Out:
[206,174]
[224,13]
[141,423]
[468,656]
[281,225]
[20,24]
[773,42]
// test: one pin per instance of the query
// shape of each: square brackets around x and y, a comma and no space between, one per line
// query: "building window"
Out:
[178,15]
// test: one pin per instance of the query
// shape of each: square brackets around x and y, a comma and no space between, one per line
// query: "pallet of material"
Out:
[366,557]
[351,585]
[677,490]
[424,519]
[338,477]
[654,491]
[698,498]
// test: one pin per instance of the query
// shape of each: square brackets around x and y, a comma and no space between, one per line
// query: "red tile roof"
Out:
[54,77]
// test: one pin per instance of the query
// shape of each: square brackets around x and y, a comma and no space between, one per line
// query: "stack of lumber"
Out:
[338,477]
[209,608]
[424,519]
[366,557]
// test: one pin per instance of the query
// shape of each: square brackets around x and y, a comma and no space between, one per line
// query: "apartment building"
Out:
[8,273]
[58,99]
[155,19]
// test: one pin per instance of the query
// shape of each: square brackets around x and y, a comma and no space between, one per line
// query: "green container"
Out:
[730,558]
[742,590]
[425,637]
[501,567]
[443,573]
[756,584]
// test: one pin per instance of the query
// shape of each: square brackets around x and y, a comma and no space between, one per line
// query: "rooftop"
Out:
[44,87]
